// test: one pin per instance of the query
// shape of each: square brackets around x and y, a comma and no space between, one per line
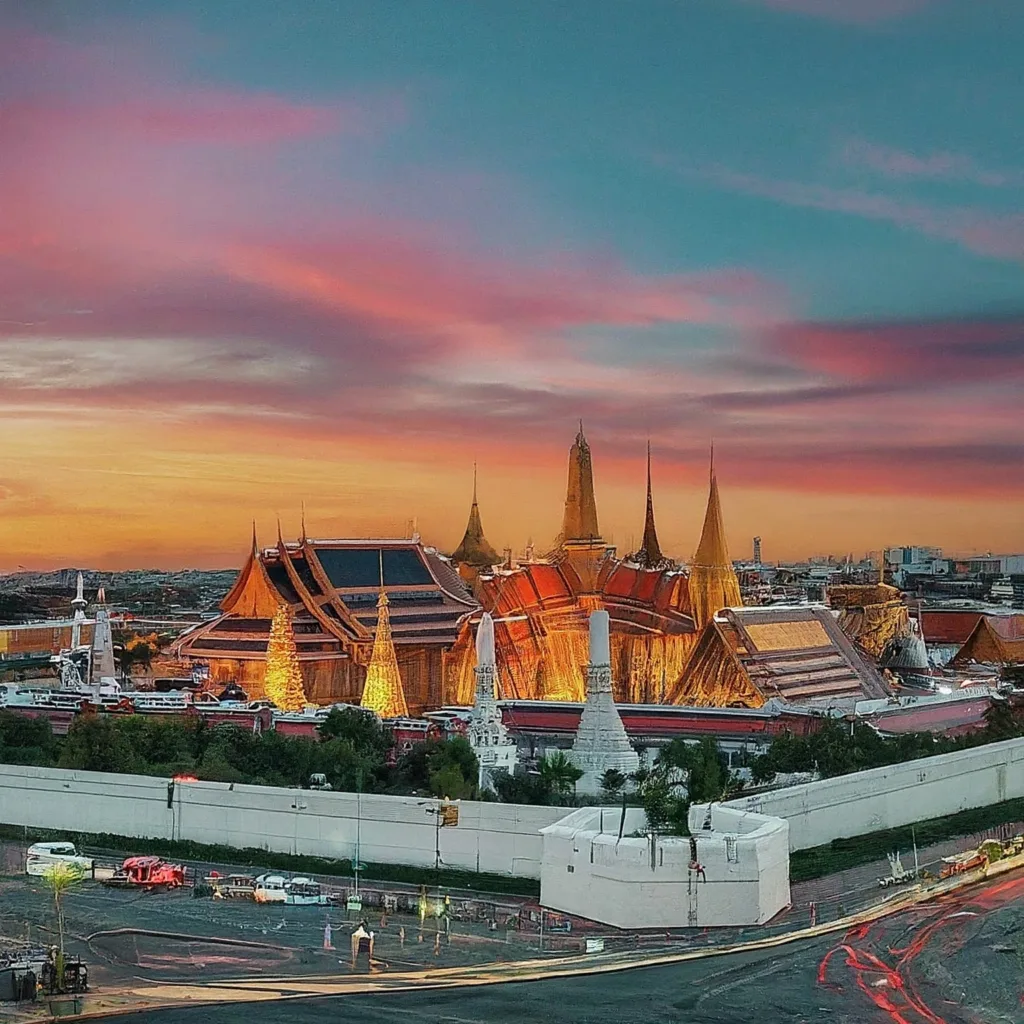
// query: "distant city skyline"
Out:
[253,257]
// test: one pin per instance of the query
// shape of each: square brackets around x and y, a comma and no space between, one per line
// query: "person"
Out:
[327,936]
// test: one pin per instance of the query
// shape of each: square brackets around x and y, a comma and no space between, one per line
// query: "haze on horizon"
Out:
[253,256]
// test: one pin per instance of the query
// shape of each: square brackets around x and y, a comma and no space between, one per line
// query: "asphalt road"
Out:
[953,960]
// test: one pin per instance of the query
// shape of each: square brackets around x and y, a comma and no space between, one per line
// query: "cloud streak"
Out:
[940,166]
[981,232]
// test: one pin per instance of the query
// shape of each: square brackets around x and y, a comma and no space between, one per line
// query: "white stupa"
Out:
[601,741]
[490,740]
[102,673]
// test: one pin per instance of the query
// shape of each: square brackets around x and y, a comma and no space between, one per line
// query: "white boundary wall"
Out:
[500,838]
[896,795]
[648,882]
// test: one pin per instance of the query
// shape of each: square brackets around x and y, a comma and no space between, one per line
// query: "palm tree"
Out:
[559,774]
[612,782]
[60,879]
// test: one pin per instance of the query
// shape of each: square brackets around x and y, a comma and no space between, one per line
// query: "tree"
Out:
[60,878]
[612,783]
[560,774]
[96,743]
[364,731]
[283,679]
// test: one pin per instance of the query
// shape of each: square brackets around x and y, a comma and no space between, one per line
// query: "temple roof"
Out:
[713,582]
[475,550]
[750,655]
[995,640]
[331,588]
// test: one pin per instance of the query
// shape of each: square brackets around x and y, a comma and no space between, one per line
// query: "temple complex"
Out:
[541,609]
[332,591]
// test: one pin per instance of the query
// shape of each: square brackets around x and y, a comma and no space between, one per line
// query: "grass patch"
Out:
[250,857]
[841,854]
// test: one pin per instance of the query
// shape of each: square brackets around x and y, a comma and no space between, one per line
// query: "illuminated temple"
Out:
[335,593]
[541,607]
[391,623]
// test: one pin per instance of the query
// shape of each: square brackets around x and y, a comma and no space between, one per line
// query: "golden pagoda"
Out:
[580,542]
[713,584]
[282,682]
[383,691]
[474,555]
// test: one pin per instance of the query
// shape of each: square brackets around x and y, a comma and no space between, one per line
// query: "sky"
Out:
[256,256]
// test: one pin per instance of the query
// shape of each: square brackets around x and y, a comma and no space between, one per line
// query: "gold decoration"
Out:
[283,678]
[383,691]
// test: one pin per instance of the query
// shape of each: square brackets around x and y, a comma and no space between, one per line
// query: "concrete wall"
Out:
[649,883]
[902,794]
[500,838]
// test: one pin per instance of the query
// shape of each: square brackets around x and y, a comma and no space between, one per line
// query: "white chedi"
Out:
[601,742]
[494,747]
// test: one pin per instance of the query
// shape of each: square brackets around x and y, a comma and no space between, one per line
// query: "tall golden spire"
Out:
[383,691]
[713,584]
[580,520]
[649,555]
[474,551]
[282,679]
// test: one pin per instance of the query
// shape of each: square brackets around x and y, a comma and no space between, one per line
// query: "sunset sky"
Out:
[257,253]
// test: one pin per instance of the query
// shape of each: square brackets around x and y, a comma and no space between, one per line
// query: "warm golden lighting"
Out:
[383,691]
[283,678]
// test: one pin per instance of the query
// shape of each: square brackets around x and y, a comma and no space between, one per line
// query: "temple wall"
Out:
[493,837]
[647,882]
[895,795]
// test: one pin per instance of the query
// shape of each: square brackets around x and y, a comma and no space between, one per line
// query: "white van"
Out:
[43,856]
[269,889]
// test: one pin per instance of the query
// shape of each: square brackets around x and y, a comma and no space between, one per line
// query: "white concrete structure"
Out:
[494,747]
[493,837]
[736,872]
[102,673]
[895,795]
[601,742]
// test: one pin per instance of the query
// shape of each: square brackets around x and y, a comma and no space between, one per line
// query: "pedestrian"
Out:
[401,936]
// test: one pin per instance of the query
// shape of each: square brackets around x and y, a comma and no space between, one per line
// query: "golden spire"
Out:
[713,584]
[383,691]
[580,520]
[282,680]
[474,550]
[649,555]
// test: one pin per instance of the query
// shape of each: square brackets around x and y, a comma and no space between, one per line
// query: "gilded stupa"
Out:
[383,691]
[713,584]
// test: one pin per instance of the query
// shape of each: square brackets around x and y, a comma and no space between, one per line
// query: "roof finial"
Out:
[280,539]
[474,481]
[303,513]
[255,545]
[711,473]
[380,555]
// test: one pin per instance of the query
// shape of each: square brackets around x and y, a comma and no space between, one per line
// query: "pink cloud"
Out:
[864,12]
[895,163]
[988,234]
[916,353]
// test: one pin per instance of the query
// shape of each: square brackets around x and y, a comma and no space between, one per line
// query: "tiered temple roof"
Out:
[331,588]
[746,656]
[872,615]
